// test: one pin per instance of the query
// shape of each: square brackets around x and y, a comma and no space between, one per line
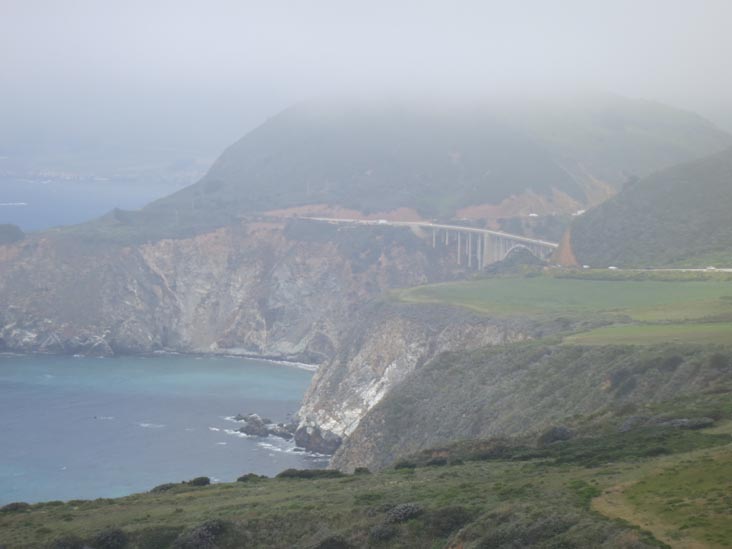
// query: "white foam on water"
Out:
[214,429]
[237,433]
[151,425]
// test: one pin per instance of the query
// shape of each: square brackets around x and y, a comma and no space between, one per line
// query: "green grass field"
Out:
[693,311]
[649,334]
[642,300]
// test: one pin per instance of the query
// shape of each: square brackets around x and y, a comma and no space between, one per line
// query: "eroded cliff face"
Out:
[382,344]
[523,389]
[279,289]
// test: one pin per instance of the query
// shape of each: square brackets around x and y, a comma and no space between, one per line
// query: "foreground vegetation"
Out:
[493,493]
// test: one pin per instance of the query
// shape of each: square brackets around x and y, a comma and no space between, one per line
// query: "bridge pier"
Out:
[470,250]
[459,251]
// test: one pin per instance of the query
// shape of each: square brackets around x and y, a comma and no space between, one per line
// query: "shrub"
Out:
[332,542]
[199,481]
[436,462]
[403,512]
[361,471]
[15,507]
[310,473]
[203,536]
[163,487]
[442,522]
[112,538]
[554,434]
[157,537]
[719,361]
[251,477]
[382,532]
[405,464]
[67,542]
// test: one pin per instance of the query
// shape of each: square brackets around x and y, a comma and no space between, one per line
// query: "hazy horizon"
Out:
[184,77]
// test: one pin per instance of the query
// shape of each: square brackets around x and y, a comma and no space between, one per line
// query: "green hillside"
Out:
[680,216]
[379,155]
[436,157]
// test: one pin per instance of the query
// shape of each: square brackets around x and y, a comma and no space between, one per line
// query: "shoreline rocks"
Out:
[315,439]
[255,425]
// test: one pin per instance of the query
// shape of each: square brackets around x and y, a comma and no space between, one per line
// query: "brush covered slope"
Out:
[681,216]
[525,388]
[434,158]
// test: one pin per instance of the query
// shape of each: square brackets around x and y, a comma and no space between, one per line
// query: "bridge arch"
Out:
[519,246]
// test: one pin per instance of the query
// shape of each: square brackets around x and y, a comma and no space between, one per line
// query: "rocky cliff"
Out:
[523,389]
[267,288]
[386,342]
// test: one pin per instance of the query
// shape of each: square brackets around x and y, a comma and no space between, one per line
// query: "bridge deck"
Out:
[425,224]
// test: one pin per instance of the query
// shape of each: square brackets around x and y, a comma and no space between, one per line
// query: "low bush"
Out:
[444,521]
[332,542]
[112,538]
[405,464]
[251,477]
[67,542]
[403,512]
[199,481]
[15,507]
[163,487]
[156,537]
[204,536]
[382,532]
[310,473]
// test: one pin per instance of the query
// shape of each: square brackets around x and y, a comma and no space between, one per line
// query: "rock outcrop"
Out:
[381,345]
[279,289]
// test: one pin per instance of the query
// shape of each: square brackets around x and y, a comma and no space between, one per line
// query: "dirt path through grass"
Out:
[613,504]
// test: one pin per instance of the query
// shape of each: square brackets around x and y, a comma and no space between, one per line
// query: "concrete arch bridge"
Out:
[476,248]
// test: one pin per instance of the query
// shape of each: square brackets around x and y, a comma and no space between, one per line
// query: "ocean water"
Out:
[81,428]
[35,205]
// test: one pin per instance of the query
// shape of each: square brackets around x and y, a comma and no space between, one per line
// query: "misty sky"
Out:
[196,75]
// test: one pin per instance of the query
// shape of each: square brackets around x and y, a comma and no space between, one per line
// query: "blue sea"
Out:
[82,428]
[35,205]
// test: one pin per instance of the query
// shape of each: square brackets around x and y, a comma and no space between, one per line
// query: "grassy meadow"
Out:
[647,310]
